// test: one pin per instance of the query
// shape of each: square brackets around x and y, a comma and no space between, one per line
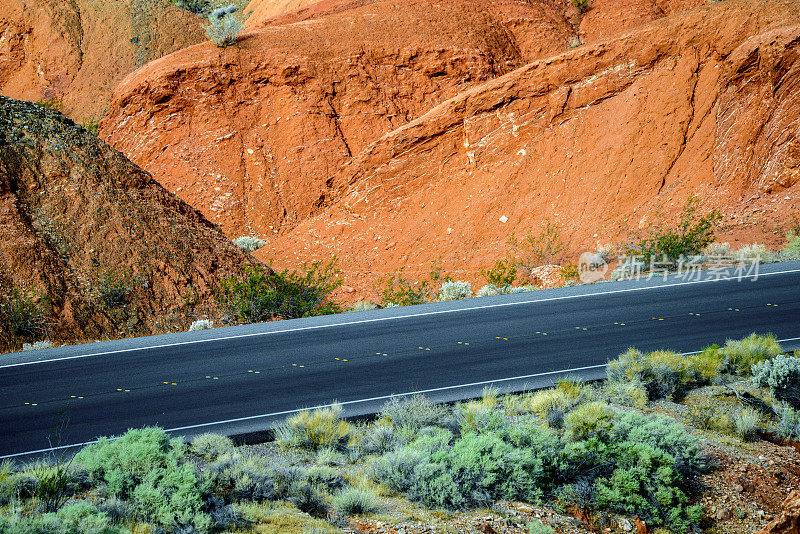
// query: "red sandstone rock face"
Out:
[73,210]
[78,50]
[392,137]
[788,522]
[597,139]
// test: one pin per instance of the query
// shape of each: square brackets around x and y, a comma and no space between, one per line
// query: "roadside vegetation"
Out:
[592,451]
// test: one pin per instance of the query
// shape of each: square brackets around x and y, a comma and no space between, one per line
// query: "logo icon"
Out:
[592,267]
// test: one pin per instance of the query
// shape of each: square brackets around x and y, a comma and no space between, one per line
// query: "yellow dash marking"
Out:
[622,324]
[301,365]
[466,343]
[165,382]
[119,389]
[294,365]
[127,391]
[385,354]
[505,339]
[661,319]
[427,349]
[577,328]
[72,396]
[35,404]
[378,353]
[208,376]
[249,370]
[27,403]
[420,348]
[544,333]
[257,372]
[216,378]
[174,384]
[345,360]
[498,337]
[80,397]
[538,332]
[336,358]
[583,329]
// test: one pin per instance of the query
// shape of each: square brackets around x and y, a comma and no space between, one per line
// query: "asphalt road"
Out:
[242,379]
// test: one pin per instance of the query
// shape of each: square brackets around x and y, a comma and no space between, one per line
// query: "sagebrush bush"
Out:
[201,324]
[37,345]
[455,290]
[410,414]
[356,501]
[590,420]
[80,517]
[248,243]
[747,421]
[309,499]
[212,446]
[537,527]
[236,477]
[501,274]
[146,466]
[631,393]
[789,425]
[21,315]
[380,439]
[224,26]
[661,373]
[754,253]
[315,429]
[753,349]
[782,376]
[324,477]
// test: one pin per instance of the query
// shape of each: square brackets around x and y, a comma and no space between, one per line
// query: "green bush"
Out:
[543,248]
[113,288]
[789,425]
[792,248]
[318,429]
[687,238]
[397,290]
[661,373]
[324,477]
[410,414]
[645,483]
[223,27]
[456,290]
[21,316]
[379,440]
[356,501]
[263,294]
[78,518]
[235,477]
[744,353]
[309,499]
[590,420]
[747,422]
[782,375]
[249,243]
[537,527]
[502,274]
[146,466]
[212,446]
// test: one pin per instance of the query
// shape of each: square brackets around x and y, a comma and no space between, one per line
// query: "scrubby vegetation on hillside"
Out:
[588,448]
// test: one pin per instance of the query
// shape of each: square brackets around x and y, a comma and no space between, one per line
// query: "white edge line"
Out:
[380,319]
[371,399]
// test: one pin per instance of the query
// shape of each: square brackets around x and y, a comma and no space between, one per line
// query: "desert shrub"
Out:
[201,324]
[688,237]
[490,290]
[664,434]
[397,290]
[118,510]
[329,456]
[564,397]
[789,425]
[543,248]
[249,243]
[455,290]
[315,429]
[148,467]
[501,274]
[707,417]
[782,375]
[356,501]
[324,477]
[198,7]
[792,248]
[520,289]
[661,373]
[476,416]
[263,294]
[754,253]
[379,440]
[212,446]
[21,315]
[92,126]
[78,518]
[582,5]
[741,355]
[53,486]
[54,103]
[570,272]
[309,499]
[709,363]
[224,26]
[590,420]
[113,288]
[538,527]
[747,422]
[235,477]
[645,483]
[632,393]
[410,414]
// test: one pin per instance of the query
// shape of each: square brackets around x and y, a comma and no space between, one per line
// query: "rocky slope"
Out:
[336,128]
[598,139]
[77,51]
[78,220]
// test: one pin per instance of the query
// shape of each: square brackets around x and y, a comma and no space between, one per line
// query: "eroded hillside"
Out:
[91,240]
[77,51]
